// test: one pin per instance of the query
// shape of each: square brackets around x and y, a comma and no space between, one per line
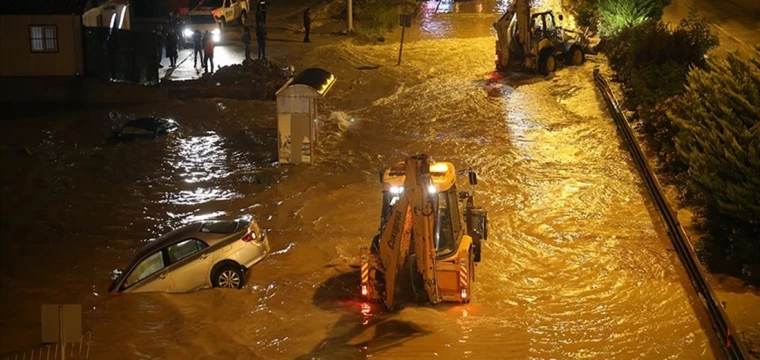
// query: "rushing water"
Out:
[577,264]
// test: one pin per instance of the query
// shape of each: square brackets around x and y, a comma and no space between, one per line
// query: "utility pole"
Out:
[350,15]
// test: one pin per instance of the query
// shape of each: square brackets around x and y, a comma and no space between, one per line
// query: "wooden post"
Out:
[401,45]
[60,334]
[350,16]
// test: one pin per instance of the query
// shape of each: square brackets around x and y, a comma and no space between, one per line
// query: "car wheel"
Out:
[229,277]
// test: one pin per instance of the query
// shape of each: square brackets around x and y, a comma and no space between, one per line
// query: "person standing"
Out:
[261,12]
[197,48]
[261,38]
[246,39]
[171,47]
[307,24]
[208,51]
[159,32]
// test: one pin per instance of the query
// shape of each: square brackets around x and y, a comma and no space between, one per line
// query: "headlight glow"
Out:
[431,189]
[215,31]
[215,37]
[188,33]
[397,189]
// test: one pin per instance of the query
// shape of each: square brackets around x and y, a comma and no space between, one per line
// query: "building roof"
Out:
[316,78]
[45,7]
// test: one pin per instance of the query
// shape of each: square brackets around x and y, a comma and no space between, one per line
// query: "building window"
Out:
[43,38]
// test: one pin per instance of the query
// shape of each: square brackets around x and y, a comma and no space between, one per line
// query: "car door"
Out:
[149,275]
[235,5]
[189,264]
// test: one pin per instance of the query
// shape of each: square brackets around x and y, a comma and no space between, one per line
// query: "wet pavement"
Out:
[578,264]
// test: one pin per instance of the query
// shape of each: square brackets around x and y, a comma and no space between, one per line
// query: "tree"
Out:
[719,135]
[719,141]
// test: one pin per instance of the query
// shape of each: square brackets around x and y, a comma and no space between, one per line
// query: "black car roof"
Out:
[183,232]
[148,123]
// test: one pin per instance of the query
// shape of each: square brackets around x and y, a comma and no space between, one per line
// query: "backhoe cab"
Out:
[535,40]
[428,225]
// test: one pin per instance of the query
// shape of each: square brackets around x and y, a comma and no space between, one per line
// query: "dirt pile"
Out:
[252,80]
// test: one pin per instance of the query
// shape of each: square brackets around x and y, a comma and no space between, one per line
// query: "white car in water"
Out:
[196,256]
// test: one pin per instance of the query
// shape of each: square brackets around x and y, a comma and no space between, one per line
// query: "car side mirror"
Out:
[473,178]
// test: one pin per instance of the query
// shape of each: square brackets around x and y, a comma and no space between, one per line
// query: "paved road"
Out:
[737,21]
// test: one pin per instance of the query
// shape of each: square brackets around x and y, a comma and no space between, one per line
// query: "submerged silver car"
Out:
[196,256]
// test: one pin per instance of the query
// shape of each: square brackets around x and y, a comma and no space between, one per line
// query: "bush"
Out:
[719,141]
[652,61]
[377,17]
[586,13]
[616,15]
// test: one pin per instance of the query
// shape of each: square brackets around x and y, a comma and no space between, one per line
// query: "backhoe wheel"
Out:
[546,63]
[243,18]
[575,56]
[222,24]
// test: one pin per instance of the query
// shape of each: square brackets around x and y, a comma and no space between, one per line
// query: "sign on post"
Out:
[405,21]
[61,323]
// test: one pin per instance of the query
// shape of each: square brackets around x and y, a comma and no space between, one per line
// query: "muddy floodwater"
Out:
[577,265]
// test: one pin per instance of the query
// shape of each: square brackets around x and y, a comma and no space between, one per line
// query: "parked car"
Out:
[196,256]
[148,127]
[202,20]
[232,10]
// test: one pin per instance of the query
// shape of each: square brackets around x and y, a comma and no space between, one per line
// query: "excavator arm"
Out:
[411,217]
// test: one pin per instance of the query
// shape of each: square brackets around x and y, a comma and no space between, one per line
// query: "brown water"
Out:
[577,264]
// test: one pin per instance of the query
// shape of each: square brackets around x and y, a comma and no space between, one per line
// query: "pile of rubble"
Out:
[252,80]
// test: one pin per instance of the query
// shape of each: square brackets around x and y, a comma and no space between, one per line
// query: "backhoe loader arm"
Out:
[411,214]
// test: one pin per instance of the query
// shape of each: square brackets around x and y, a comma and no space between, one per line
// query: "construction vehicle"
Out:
[535,41]
[424,235]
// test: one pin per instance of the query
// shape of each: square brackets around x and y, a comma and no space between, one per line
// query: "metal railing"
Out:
[732,345]
[55,351]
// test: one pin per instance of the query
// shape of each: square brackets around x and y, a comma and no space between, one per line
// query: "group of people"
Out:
[168,42]
[203,43]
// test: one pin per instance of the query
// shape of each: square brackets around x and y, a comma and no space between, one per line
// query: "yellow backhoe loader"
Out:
[534,41]
[428,231]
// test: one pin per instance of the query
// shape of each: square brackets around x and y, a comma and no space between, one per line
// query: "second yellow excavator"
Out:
[427,224]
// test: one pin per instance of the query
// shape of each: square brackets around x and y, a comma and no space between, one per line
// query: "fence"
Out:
[74,351]
[733,346]
[120,55]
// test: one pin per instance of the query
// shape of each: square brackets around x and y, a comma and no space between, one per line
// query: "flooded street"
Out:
[577,264]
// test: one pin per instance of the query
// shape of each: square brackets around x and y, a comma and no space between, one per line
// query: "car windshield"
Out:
[202,19]
[447,223]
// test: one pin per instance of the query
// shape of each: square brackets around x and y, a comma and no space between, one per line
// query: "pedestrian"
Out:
[246,39]
[261,12]
[171,47]
[197,48]
[208,51]
[261,38]
[159,33]
[307,24]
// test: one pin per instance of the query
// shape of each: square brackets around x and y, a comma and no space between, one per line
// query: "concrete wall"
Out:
[76,91]
[17,59]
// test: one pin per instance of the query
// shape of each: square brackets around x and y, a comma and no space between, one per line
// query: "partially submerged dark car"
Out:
[148,127]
